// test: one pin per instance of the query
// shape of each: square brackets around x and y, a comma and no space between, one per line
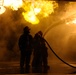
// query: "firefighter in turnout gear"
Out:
[25,46]
[40,61]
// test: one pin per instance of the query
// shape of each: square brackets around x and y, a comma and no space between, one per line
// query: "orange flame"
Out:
[13,4]
[2,9]
[33,10]
[36,9]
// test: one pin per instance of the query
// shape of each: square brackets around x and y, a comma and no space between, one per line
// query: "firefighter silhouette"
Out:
[25,45]
[40,62]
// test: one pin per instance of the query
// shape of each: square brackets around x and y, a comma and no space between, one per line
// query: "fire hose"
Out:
[58,56]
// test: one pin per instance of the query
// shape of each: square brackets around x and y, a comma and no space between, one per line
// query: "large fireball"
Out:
[33,9]
[38,9]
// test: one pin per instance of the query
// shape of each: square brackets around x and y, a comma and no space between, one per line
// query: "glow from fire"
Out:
[30,17]
[13,4]
[33,10]
[38,9]
[2,9]
[72,21]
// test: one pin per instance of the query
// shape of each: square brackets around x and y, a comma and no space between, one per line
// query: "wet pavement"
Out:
[55,68]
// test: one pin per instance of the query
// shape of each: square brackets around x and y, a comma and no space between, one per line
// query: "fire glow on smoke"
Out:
[33,9]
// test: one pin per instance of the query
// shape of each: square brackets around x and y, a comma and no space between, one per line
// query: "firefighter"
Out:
[25,46]
[44,53]
[40,62]
[36,62]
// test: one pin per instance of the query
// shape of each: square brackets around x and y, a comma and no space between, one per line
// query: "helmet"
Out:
[40,33]
[26,29]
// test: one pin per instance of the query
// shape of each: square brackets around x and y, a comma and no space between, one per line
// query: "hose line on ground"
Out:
[58,56]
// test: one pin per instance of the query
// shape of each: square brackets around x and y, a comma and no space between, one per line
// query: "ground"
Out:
[55,68]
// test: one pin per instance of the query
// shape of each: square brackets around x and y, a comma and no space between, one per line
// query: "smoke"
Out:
[11,27]
[71,46]
[62,40]
[60,36]
[10,30]
[12,24]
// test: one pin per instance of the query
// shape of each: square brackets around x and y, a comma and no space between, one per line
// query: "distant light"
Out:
[67,23]
[74,21]
[1,2]
[2,9]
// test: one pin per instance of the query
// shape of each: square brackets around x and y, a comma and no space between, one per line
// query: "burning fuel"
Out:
[2,9]
[13,4]
[33,10]
[37,9]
